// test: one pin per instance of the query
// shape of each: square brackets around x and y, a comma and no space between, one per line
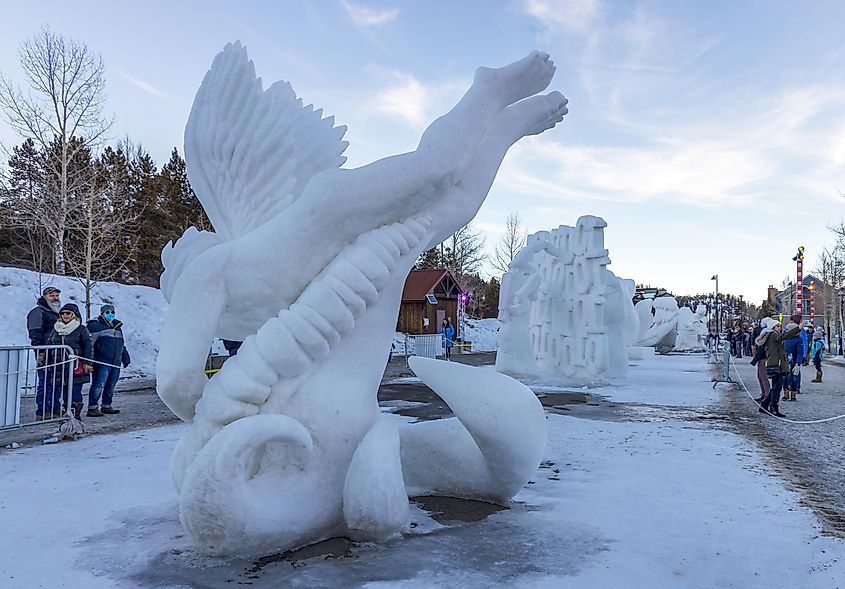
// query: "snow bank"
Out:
[141,308]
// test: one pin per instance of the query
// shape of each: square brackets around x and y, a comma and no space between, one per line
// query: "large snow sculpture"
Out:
[559,291]
[306,266]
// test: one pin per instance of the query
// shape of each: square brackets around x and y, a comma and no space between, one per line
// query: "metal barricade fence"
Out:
[27,385]
[425,345]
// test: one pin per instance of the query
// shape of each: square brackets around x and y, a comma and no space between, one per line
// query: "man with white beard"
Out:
[39,323]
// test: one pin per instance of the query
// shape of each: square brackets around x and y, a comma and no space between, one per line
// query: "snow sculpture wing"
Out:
[250,152]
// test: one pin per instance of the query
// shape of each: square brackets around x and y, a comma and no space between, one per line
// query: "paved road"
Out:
[810,456]
[141,407]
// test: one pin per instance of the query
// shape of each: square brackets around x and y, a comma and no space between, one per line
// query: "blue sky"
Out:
[709,135]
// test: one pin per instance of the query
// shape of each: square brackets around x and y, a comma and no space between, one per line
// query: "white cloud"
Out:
[409,100]
[700,173]
[415,102]
[368,17]
[145,86]
[574,15]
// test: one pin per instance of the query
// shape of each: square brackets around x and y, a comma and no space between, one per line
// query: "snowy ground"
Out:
[636,490]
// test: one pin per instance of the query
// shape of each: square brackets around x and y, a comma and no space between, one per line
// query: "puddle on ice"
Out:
[461,543]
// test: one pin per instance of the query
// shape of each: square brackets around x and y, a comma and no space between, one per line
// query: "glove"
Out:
[41,358]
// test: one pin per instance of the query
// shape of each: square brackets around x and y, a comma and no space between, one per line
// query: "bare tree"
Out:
[99,228]
[511,241]
[465,251]
[63,112]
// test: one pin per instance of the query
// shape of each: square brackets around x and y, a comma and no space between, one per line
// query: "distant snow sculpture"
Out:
[644,310]
[562,311]
[691,330]
[306,266]
[663,332]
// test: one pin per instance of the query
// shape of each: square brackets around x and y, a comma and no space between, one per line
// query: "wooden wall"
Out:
[411,316]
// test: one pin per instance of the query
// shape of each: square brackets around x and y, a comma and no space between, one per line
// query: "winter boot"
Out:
[109,410]
[94,412]
[77,410]
[818,377]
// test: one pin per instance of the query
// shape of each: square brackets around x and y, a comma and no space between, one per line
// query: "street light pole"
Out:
[841,294]
[718,311]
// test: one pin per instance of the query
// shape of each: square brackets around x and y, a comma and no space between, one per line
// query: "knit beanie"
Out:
[106,308]
[71,307]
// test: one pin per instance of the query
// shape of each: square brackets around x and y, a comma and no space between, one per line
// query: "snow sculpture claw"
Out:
[306,266]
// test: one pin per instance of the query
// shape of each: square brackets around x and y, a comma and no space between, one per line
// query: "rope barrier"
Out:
[796,421]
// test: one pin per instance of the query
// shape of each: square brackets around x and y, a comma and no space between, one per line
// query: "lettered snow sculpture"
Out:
[559,291]
[663,332]
[306,266]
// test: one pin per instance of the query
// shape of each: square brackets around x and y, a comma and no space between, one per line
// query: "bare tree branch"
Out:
[510,242]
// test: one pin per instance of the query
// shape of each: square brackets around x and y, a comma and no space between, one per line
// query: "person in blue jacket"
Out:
[109,354]
[817,352]
[795,352]
[449,334]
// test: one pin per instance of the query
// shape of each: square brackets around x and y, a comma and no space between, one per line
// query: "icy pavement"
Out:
[811,456]
[637,489]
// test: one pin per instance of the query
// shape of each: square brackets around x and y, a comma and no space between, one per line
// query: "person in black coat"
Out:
[39,324]
[69,331]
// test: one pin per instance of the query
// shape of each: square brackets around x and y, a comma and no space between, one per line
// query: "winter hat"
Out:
[49,289]
[808,323]
[818,334]
[71,307]
[106,308]
[771,322]
[764,322]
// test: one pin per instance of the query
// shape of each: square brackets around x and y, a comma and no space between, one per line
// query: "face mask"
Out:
[108,316]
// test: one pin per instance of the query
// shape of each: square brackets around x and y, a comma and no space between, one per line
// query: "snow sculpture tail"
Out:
[230,500]
[489,450]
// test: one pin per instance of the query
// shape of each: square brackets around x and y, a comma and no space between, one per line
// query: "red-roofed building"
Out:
[428,297]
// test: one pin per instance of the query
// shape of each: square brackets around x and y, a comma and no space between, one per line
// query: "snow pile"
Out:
[140,308]
[483,334]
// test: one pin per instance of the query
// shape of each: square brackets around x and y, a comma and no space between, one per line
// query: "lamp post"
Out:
[718,311]
[841,293]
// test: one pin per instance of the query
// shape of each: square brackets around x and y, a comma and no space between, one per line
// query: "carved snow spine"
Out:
[288,345]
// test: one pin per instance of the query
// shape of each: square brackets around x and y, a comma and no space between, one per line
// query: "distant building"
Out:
[772,294]
[428,297]
[786,302]
[649,292]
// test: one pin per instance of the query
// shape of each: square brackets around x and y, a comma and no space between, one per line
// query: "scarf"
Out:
[64,329]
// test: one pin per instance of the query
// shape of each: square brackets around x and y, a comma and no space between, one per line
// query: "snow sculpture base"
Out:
[306,265]
[639,352]
[562,312]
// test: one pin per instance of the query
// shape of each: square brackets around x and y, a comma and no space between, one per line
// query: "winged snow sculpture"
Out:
[306,266]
